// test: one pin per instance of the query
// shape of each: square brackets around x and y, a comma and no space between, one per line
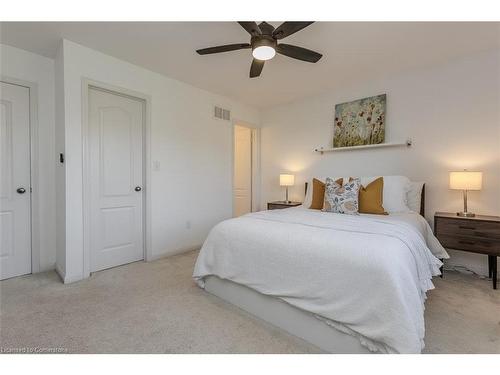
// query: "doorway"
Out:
[116,124]
[245,169]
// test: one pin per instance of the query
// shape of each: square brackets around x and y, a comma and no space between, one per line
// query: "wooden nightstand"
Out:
[282,204]
[478,234]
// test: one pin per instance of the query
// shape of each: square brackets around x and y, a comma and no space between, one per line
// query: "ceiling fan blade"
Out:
[256,68]
[251,27]
[266,28]
[289,28]
[225,48]
[298,53]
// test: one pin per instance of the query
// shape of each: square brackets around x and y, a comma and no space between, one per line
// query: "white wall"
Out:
[452,113]
[195,151]
[26,66]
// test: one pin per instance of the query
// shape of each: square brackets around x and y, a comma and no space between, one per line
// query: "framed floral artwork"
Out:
[360,122]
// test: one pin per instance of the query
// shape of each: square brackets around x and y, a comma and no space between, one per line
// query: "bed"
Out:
[345,283]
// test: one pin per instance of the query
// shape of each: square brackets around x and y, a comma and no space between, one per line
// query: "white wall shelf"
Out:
[321,150]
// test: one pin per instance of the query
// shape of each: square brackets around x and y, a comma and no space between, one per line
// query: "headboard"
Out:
[422,201]
[422,198]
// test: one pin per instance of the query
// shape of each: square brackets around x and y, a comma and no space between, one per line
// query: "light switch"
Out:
[156,165]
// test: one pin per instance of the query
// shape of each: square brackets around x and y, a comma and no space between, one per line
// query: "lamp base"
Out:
[465,214]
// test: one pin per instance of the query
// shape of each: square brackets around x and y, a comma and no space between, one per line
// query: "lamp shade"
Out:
[287,179]
[466,180]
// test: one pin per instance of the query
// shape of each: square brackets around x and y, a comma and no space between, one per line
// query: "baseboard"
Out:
[477,263]
[174,252]
[60,273]
[72,279]
[67,279]
[52,267]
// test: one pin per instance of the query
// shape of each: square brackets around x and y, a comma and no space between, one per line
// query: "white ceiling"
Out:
[351,51]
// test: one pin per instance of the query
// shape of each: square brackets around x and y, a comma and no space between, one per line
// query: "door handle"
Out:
[21,190]
[138,188]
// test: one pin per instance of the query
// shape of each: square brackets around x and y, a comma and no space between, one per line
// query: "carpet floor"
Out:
[156,308]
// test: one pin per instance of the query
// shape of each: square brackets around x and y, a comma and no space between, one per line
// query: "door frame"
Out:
[88,84]
[255,198]
[34,174]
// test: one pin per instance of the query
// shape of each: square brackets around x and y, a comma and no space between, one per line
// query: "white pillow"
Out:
[414,196]
[309,193]
[395,192]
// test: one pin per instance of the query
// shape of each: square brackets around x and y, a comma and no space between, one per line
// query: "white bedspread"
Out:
[366,275]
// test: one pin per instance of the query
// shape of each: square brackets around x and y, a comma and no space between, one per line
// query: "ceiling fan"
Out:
[264,44]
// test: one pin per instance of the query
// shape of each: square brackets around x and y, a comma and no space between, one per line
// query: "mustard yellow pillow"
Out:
[318,193]
[371,198]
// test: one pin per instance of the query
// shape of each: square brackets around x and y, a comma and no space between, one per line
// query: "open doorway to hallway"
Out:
[246,166]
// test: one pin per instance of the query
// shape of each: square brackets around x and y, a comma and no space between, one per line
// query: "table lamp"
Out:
[287,180]
[465,181]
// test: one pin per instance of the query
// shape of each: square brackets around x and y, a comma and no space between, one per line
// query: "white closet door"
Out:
[242,185]
[15,225]
[116,163]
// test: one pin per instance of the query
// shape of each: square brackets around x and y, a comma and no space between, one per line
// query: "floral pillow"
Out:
[342,199]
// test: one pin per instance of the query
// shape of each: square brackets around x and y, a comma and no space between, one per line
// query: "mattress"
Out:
[366,275]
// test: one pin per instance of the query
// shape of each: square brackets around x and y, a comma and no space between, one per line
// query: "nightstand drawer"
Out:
[476,234]
[473,244]
[469,228]
[271,206]
[278,205]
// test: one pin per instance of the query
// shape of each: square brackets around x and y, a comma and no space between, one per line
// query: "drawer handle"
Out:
[465,227]
[466,242]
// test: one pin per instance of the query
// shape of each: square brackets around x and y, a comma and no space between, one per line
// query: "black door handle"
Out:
[21,190]
[138,188]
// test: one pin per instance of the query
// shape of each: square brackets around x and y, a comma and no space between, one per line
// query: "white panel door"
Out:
[116,179]
[15,225]
[242,184]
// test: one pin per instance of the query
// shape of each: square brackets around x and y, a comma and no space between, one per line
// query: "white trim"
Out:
[34,175]
[86,85]
[255,163]
[256,169]
[64,278]
[61,274]
[182,250]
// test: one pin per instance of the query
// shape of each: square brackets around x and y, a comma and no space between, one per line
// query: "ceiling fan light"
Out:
[264,53]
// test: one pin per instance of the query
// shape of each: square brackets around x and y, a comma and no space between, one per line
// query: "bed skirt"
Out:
[289,318]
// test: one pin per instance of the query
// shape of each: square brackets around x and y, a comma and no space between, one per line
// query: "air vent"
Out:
[222,114]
